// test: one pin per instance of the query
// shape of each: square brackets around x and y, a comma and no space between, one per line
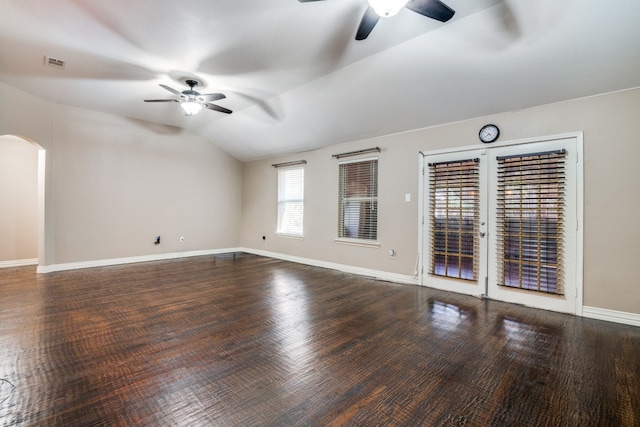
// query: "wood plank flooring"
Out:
[242,340]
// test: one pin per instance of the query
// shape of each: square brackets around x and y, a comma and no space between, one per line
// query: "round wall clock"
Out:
[489,133]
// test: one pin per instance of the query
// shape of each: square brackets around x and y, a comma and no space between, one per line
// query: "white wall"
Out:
[121,182]
[18,199]
[611,206]
[113,184]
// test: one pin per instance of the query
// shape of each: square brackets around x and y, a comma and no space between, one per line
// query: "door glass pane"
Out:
[530,218]
[454,216]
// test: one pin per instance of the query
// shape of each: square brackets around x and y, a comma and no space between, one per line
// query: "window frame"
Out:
[280,231]
[358,241]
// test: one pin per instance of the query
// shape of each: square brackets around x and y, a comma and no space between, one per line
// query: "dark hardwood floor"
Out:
[242,340]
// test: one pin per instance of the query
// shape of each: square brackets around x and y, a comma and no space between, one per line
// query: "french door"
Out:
[502,222]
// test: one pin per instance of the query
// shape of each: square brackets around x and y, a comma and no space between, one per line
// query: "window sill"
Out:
[290,236]
[358,242]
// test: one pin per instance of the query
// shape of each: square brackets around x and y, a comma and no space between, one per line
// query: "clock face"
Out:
[489,133]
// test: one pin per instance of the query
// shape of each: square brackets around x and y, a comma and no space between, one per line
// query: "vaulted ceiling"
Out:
[294,75]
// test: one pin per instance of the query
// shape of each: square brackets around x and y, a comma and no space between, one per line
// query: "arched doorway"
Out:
[22,195]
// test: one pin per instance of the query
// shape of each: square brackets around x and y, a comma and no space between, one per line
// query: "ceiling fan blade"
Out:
[218,108]
[172,90]
[161,100]
[213,96]
[369,20]
[434,9]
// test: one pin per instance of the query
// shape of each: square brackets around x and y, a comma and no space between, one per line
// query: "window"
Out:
[358,200]
[290,201]
[454,215]
[531,193]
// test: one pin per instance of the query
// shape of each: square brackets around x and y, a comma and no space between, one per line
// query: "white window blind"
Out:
[531,193]
[291,201]
[454,215]
[358,200]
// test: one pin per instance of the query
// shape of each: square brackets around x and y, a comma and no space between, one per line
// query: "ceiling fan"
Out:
[434,9]
[191,101]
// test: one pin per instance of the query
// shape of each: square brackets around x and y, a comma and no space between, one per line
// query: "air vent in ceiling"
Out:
[54,62]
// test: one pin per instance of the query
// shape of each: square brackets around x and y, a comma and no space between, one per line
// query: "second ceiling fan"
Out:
[191,101]
[434,9]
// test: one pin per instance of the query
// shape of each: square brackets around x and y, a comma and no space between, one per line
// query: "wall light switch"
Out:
[407,197]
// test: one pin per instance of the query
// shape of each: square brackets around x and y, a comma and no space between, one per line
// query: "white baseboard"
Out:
[376,274]
[611,315]
[590,312]
[131,260]
[18,263]
[381,275]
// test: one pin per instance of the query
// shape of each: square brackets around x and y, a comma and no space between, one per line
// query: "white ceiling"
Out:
[296,78]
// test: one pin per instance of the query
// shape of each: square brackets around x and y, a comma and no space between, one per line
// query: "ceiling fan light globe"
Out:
[387,8]
[191,107]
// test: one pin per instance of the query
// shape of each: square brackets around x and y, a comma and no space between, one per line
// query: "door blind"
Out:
[454,192]
[358,200]
[530,215]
